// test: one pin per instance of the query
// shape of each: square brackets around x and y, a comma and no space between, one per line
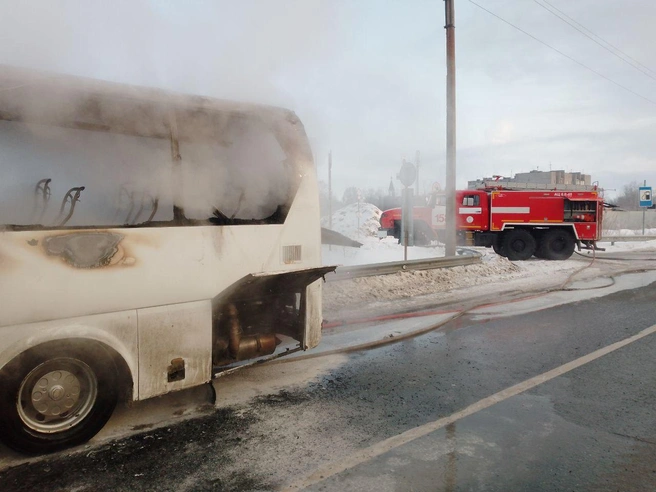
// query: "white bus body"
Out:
[195,244]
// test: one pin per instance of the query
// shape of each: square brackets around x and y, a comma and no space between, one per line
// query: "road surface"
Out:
[557,399]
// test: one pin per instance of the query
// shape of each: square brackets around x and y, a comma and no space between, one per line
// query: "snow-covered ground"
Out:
[627,246]
[357,221]
[629,232]
[485,278]
[360,222]
[376,250]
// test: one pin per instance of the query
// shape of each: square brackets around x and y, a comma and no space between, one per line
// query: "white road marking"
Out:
[393,442]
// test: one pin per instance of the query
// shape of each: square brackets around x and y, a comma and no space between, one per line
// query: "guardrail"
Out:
[624,239]
[357,271]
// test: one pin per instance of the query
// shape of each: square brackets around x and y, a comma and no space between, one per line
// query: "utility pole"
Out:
[330,190]
[417,166]
[450,233]
[643,212]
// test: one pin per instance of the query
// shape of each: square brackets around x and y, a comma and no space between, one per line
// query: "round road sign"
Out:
[408,174]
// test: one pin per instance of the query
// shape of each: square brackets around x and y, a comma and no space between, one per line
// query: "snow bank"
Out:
[357,221]
[493,271]
[629,232]
[376,250]
[414,283]
[361,224]
[627,246]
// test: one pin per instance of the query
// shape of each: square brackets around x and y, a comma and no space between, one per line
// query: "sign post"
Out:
[407,176]
[645,201]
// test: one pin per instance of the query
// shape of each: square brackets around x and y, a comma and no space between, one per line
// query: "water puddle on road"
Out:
[588,289]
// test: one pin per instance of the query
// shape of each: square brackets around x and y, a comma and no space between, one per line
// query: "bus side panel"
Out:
[313,318]
[175,347]
[302,229]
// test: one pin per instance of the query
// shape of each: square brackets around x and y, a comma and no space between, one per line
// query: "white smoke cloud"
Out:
[368,78]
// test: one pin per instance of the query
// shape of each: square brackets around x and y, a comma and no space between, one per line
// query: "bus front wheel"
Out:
[56,396]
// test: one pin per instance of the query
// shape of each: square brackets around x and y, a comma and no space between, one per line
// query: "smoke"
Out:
[246,179]
[342,66]
[225,49]
[116,143]
[229,50]
[367,77]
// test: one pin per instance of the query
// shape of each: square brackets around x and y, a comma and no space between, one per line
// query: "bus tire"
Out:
[557,244]
[56,395]
[518,244]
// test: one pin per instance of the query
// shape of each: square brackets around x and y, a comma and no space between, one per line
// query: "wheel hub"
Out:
[519,245]
[57,395]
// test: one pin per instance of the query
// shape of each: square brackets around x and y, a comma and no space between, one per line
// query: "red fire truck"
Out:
[429,221]
[517,222]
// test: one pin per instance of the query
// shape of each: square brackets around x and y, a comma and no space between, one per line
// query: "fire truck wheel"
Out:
[539,253]
[557,244]
[423,234]
[518,244]
[498,249]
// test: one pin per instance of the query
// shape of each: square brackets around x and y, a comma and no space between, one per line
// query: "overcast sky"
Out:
[367,77]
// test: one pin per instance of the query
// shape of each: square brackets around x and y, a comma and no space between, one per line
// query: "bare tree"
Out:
[350,195]
[629,197]
[375,196]
[324,201]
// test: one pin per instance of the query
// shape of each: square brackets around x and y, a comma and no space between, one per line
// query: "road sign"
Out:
[646,199]
[408,174]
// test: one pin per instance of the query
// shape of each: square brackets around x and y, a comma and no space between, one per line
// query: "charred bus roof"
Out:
[39,100]
[76,102]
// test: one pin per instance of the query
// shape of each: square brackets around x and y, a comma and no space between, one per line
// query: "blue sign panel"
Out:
[645,196]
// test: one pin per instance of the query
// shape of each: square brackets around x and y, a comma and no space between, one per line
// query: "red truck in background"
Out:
[429,221]
[517,223]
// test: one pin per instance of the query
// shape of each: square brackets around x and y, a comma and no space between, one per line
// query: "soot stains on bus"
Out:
[85,249]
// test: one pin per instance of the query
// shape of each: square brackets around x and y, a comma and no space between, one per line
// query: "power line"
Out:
[591,38]
[599,37]
[564,54]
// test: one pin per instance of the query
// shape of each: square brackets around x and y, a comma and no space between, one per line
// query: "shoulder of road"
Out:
[365,326]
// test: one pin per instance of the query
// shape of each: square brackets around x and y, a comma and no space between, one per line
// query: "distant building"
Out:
[559,177]
[553,177]
[391,188]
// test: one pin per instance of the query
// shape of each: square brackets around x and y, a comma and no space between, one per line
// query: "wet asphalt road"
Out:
[590,429]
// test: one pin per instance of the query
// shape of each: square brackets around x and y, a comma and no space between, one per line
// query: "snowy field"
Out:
[629,232]
[485,278]
[360,223]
